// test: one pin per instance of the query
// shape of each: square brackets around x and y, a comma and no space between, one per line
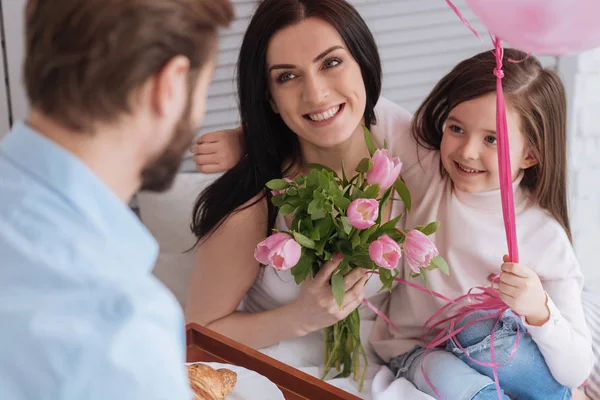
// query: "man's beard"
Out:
[158,176]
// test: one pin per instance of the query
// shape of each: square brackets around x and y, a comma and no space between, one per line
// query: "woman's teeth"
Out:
[324,116]
[472,171]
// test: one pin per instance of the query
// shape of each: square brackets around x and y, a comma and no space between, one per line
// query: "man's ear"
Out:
[171,88]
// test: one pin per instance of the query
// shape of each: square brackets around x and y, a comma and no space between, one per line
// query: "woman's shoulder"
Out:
[251,218]
[394,127]
[391,120]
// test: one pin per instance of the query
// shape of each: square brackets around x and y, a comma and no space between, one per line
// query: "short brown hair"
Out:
[83,58]
[535,93]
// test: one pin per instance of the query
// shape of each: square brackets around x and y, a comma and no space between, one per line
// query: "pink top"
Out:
[472,240]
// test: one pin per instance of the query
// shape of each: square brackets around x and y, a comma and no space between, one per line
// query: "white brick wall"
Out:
[584,159]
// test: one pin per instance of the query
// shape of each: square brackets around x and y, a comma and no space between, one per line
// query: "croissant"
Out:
[210,384]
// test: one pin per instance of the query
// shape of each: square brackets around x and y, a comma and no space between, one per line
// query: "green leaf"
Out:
[402,190]
[337,284]
[277,201]
[321,167]
[385,144]
[364,165]
[385,275]
[346,225]
[366,234]
[296,224]
[321,247]
[344,267]
[369,141]
[303,240]
[441,264]
[286,209]
[291,192]
[315,234]
[396,236]
[313,178]
[423,277]
[344,177]
[341,202]
[361,260]
[390,225]
[277,184]
[372,192]
[318,215]
[323,180]
[323,226]
[357,193]
[315,209]
[431,228]
[356,239]
[382,203]
[301,270]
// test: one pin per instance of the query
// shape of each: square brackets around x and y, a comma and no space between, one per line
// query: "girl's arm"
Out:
[218,151]
[564,339]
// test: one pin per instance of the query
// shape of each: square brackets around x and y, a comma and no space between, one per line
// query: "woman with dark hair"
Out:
[309,76]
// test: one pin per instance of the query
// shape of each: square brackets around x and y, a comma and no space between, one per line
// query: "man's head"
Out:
[144,64]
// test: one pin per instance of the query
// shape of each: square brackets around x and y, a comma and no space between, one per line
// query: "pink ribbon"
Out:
[487,299]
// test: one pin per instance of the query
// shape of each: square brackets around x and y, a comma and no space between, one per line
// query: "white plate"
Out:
[250,385]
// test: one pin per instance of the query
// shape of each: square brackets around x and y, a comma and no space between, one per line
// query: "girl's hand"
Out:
[316,308]
[218,151]
[521,289]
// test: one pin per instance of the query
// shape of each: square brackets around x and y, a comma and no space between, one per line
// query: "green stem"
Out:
[364,374]
[334,351]
[400,231]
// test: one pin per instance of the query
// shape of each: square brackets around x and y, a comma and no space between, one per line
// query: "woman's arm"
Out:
[224,271]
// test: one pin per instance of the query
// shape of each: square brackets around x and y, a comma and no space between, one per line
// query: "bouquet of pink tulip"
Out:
[341,215]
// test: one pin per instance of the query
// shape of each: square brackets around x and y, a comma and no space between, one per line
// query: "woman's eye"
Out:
[456,129]
[285,77]
[332,62]
[490,139]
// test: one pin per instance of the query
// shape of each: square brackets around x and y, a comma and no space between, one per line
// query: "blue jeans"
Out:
[456,377]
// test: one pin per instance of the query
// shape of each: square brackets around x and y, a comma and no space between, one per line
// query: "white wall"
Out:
[582,75]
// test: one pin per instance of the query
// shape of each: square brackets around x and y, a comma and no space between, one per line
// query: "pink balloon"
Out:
[552,27]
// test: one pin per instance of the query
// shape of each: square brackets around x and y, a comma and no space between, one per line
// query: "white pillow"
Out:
[168,216]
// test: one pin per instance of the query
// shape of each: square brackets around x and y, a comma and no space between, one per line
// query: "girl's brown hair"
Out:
[535,93]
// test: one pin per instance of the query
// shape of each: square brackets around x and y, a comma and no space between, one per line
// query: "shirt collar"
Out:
[84,192]
[492,200]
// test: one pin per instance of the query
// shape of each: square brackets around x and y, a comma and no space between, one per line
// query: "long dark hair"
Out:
[269,141]
[536,94]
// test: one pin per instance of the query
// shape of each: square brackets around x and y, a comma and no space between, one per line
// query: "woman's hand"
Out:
[218,151]
[316,308]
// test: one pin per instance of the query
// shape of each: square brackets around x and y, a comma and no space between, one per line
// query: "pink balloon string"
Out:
[488,298]
[506,190]
[463,19]
[504,169]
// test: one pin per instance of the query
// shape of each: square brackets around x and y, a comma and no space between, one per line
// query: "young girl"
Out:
[453,177]
[450,166]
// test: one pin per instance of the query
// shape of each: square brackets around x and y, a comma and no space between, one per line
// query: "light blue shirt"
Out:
[81,315]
